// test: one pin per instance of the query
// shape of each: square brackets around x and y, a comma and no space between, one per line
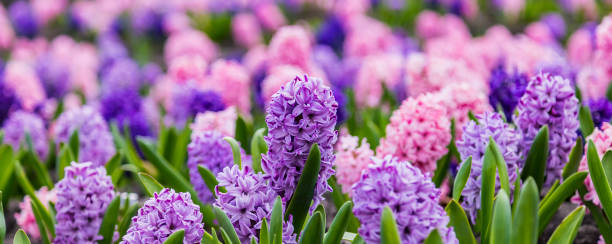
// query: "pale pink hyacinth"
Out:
[367,36]
[99,15]
[175,22]
[351,159]
[592,81]
[539,32]
[580,48]
[223,121]
[46,10]
[430,25]
[162,91]
[432,73]
[232,81]
[189,42]
[188,67]
[28,50]
[246,30]
[511,8]
[71,101]
[255,59]
[290,45]
[587,7]
[348,9]
[603,56]
[602,139]
[461,98]
[25,217]
[22,78]
[7,34]
[82,61]
[376,71]
[277,77]
[269,15]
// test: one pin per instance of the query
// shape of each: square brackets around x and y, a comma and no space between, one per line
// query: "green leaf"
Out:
[42,229]
[26,186]
[552,190]
[107,227]
[126,220]
[441,169]
[525,219]
[487,192]
[258,147]
[149,184]
[314,229]
[2,221]
[574,159]
[358,240]
[210,180]
[549,207]
[226,225]
[276,222]
[535,165]
[242,133]
[126,147]
[73,142]
[226,238]
[567,230]
[473,117]
[180,148]
[65,157]
[176,237]
[434,238]
[113,167]
[606,162]
[321,210]
[462,177]
[304,191]
[21,238]
[500,163]
[264,237]
[339,224]
[586,121]
[388,228]
[7,160]
[210,239]
[599,179]
[235,150]
[460,223]
[501,230]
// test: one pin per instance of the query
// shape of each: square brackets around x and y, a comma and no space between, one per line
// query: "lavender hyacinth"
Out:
[474,141]
[82,198]
[8,100]
[549,100]
[95,140]
[601,110]
[54,76]
[22,122]
[163,214]
[248,200]
[301,113]
[24,21]
[506,89]
[412,197]
[188,101]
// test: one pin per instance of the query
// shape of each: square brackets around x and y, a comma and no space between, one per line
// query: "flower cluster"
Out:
[25,217]
[21,123]
[351,160]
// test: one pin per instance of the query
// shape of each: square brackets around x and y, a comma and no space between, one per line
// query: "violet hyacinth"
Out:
[95,140]
[188,101]
[24,21]
[411,195]
[549,100]
[474,143]
[82,198]
[22,122]
[54,76]
[248,200]
[8,100]
[163,214]
[506,89]
[301,113]
[601,110]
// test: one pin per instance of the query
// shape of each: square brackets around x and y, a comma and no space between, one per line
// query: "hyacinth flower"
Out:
[26,219]
[21,123]
[351,159]
[601,110]
[506,90]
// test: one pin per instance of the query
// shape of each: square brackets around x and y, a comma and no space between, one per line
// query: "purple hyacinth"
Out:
[22,122]
[111,49]
[8,100]
[549,100]
[82,198]
[601,110]
[188,101]
[331,32]
[506,89]
[54,76]
[150,72]
[300,114]
[555,24]
[474,141]
[120,103]
[412,197]
[95,140]
[124,73]
[247,201]
[163,214]
[341,113]
[24,21]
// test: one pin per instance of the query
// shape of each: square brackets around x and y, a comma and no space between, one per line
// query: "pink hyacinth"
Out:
[539,32]
[430,25]
[28,50]
[349,9]
[580,48]
[7,34]
[418,133]
[246,30]
[22,78]
[277,77]
[511,7]
[255,59]
[351,160]
[592,81]
[461,98]
[176,22]
[602,138]
[270,16]
[222,121]
[232,81]
[290,45]
[603,56]
[45,10]
[367,36]
[376,71]
[189,42]
[185,68]
[25,217]
[82,61]
[432,73]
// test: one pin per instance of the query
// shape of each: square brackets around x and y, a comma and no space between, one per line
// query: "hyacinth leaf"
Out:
[210,180]
[258,146]
[501,230]
[176,237]
[149,184]
[314,229]
[487,192]
[586,121]
[535,165]
[358,240]
[113,167]
[7,165]
[126,220]
[517,191]
[264,237]
[567,230]
[225,237]
[472,117]
[549,207]
[462,178]
[243,133]
[276,222]
[40,224]
[2,221]
[65,157]
[207,238]
[552,190]
[338,226]
[602,223]
[434,238]
[180,148]
[441,169]
[126,147]
[388,228]
[321,209]
[235,150]
[21,237]
[167,141]
[600,181]
[26,186]
[107,227]
[460,223]
[305,189]
[73,142]
[525,218]
[500,163]
[606,162]
[337,196]
[226,225]
[574,159]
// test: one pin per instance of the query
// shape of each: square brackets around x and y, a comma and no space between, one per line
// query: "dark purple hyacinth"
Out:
[331,33]
[163,214]
[24,21]
[341,100]
[110,49]
[82,198]
[54,76]
[120,103]
[188,101]
[601,110]
[147,21]
[248,200]
[506,89]
[300,114]
[8,101]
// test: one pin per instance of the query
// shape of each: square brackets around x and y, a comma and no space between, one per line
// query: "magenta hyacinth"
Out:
[549,100]
[248,200]
[163,214]
[474,143]
[22,122]
[411,195]
[301,113]
[82,198]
